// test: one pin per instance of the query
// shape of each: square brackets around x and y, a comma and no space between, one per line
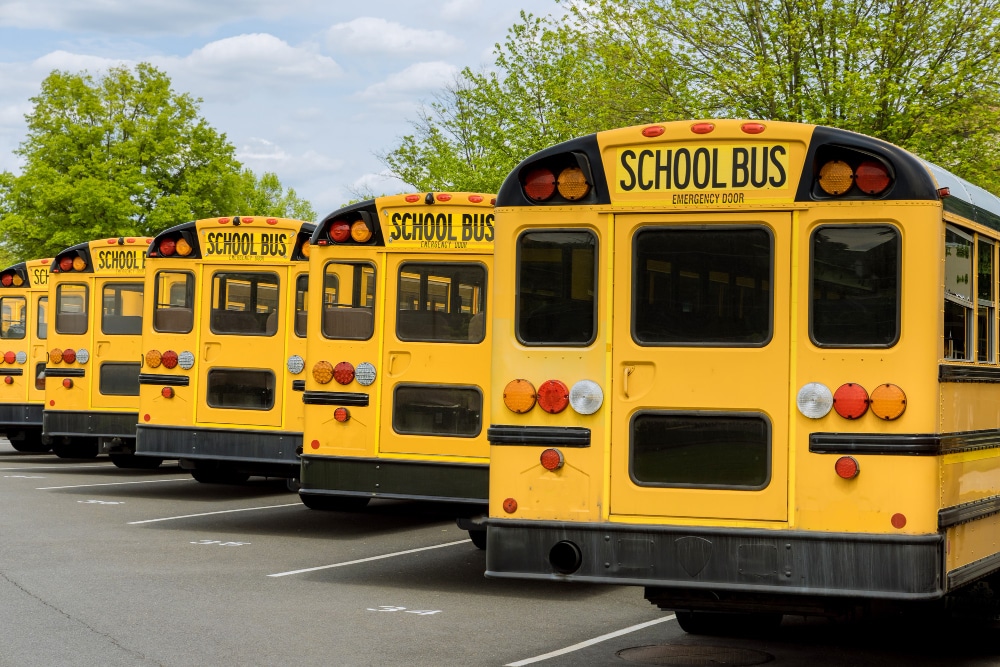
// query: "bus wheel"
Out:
[478,538]
[335,503]
[135,462]
[220,476]
[76,449]
[29,441]
[722,623]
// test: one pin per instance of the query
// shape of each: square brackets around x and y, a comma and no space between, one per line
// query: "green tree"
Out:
[119,155]
[266,196]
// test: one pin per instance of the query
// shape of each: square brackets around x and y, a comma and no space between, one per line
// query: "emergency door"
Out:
[116,326]
[700,366]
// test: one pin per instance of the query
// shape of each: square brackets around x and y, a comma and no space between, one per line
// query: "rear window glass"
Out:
[121,308]
[120,379]
[348,300]
[436,410]
[441,302]
[13,317]
[71,309]
[173,306]
[556,288]
[245,303]
[241,389]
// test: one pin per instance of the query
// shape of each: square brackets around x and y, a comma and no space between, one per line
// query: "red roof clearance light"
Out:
[653,131]
[703,128]
[413,198]
[753,128]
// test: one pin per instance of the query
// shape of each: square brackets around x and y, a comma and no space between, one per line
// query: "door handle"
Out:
[628,370]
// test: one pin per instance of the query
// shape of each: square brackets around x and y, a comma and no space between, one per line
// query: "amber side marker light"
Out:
[888,402]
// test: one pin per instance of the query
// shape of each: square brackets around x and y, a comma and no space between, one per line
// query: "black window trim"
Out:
[702,227]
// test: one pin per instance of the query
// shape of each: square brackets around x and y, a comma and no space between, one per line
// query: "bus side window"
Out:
[172,302]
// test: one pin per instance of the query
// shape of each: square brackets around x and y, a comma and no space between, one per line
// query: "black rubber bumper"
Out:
[256,449]
[19,415]
[390,478]
[724,560]
[103,424]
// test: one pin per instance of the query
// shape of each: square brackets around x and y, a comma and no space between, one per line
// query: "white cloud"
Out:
[375,35]
[419,78]
[256,59]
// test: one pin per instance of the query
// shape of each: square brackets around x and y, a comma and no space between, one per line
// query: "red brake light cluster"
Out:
[543,183]
[342,231]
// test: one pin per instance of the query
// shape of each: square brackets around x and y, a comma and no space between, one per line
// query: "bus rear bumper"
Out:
[719,562]
[15,416]
[393,478]
[270,453]
[99,424]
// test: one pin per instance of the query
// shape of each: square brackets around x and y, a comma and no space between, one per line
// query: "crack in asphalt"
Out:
[91,628]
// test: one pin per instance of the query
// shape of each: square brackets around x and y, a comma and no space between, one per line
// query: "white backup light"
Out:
[815,400]
[82,356]
[586,397]
[296,364]
[21,357]
[364,374]
[186,360]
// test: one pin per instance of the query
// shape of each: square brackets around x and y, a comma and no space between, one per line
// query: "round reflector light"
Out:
[186,360]
[509,505]
[847,467]
[360,231]
[898,521]
[295,364]
[66,263]
[573,184]
[68,383]
[586,397]
[540,184]
[22,357]
[519,396]
[340,231]
[8,379]
[343,372]
[342,414]
[323,372]
[82,355]
[69,355]
[169,359]
[79,263]
[314,444]
[553,396]
[55,355]
[872,177]
[365,374]
[551,459]
[835,177]
[167,247]
[814,400]
[850,400]
[10,357]
[167,392]
[154,358]
[888,401]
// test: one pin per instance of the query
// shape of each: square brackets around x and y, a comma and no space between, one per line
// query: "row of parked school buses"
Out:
[749,366]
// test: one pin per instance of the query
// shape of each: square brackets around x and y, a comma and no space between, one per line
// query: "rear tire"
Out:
[131,461]
[29,441]
[335,503]
[220,476]
[76,449]
[478,538]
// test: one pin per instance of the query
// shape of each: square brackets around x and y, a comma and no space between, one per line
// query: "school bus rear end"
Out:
[23,330]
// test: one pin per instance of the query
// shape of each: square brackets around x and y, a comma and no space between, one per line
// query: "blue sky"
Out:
[310,90]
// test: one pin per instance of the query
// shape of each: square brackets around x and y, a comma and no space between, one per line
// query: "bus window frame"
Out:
[85,312]
[429,264]
[710,414]
[190,284]
[418,386]
[301,305]
[324,307]
[43,307]
[819,226]
[116,288]
[595,287]
[251,277]
[23,321]
[695,229]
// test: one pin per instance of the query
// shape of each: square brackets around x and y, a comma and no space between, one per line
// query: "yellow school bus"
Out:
[223,345]
[91,388]
[395,401]
[750,366]
[24,322]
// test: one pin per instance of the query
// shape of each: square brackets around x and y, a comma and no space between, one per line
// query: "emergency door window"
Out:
[441,302]
[702,286]
[122,309]
[173,302]
[301,301]
[348,301]
[13,317]
[71,309]
[42,318]
[245,303]
[556,288]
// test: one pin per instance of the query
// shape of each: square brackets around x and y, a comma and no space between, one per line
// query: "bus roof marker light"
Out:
[552,459]
[553,396]
[836,177]
[82,355]
[653,131]
[412,199]
[850,401]
[703,128]
[753,128]
[186,360]
[475,199]
[586,397]
[888,402]
[519,396]
[365,374]
[814,400]
[943,192]
[847,467]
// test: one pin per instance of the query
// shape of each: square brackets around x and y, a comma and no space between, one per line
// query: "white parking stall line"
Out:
[142,481]
[367,560]
[63,467]
[590,642]
[188,516]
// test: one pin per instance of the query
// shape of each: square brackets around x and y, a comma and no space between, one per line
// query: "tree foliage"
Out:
[121,155]
[922,74]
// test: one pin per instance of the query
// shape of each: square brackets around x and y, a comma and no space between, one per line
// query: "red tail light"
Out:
[167,247]
[340,231]
[540,184]
[10,357]
[69,355]
[169,359]
[850,401]
[872,177]
[343,372]
[66,263]
[553,396]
